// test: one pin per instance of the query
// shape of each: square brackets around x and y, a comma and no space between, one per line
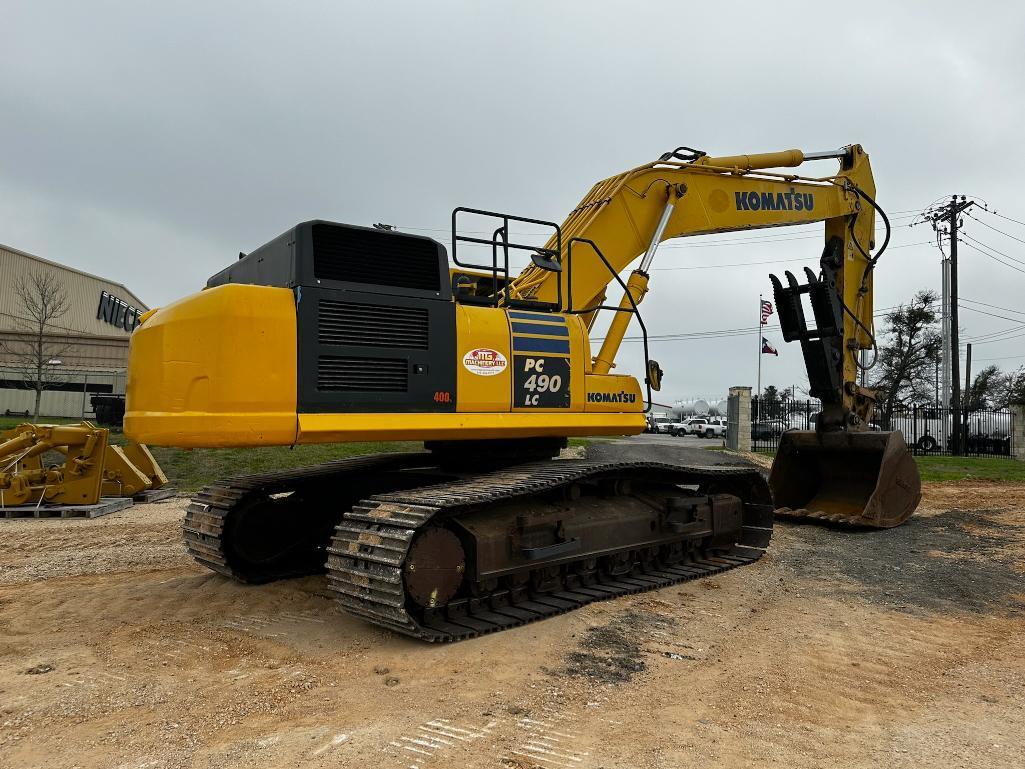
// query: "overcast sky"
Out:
[151,145]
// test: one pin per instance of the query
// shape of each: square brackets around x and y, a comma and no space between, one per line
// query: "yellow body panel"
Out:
[614,392]
[217,368]
[337,428]
[482,328]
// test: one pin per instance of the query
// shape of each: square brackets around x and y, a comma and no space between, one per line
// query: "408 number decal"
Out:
[541,382]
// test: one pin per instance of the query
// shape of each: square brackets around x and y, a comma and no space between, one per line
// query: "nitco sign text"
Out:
[117,312]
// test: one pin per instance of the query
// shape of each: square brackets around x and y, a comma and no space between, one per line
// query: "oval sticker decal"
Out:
[484,362]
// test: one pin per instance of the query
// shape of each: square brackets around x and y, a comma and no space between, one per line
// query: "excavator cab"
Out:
[843,471]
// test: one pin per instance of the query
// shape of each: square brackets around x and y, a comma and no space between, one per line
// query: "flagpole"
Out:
[758,392]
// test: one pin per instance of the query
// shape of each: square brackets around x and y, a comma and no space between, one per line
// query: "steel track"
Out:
[366,557]
[208,512]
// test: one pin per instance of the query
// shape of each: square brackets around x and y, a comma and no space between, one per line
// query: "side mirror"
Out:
[654,375]
[544,260]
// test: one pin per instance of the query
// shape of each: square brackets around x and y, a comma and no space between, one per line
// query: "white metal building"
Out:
[85,348]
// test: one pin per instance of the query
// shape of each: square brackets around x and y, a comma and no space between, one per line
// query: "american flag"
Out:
[766,311]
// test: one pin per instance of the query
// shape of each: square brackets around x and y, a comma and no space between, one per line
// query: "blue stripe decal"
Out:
[537,316]
[529,344]
[537,328]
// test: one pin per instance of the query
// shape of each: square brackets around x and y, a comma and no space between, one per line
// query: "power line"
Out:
[990,314]
[994,250]
[1004,217]
[999,261]
[767,261]
[1005,234]
[1005,357]
[994,306]
[990,336]
[1004,339]
[720,333]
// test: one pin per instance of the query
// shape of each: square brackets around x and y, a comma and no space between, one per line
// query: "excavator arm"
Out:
[628,215]
[843,471]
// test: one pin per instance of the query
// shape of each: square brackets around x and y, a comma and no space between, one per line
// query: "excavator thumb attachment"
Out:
[857,478]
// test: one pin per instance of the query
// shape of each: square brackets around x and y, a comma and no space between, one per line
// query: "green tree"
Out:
[770,403]
[985,390]
[1010,390]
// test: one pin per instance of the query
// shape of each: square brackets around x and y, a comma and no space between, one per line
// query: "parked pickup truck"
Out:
[714,427]
[690,426]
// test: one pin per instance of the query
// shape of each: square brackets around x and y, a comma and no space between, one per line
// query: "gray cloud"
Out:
[152,145]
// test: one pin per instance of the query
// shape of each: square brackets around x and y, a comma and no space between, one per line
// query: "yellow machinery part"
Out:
[860,478]
[142,459]
[121,478]
[91,467]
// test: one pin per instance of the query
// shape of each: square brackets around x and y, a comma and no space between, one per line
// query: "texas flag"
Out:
[768,349]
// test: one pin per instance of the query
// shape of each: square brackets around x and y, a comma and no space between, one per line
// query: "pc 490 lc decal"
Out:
[541,382]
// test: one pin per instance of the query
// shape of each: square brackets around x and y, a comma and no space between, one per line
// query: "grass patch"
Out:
[957,468]
[6,423]
[191,469]
[188,470]
[942,468]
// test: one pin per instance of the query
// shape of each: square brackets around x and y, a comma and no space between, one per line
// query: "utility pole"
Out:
[950,214]
[967,391]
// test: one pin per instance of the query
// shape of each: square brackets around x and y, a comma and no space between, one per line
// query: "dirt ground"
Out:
[839,649]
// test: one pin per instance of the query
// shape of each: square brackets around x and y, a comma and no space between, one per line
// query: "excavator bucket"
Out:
[857,478]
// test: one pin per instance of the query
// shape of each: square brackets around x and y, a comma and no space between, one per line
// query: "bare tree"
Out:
[986,391]
[37,357]
[1011,389]
[908,354]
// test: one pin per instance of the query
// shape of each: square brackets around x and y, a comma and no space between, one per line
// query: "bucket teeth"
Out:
[865,479]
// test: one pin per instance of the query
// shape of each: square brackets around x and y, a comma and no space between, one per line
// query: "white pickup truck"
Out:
[714,427]
[689,426]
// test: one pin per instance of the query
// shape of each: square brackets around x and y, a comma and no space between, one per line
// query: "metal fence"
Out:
[928,430]
[69,395]
[771,418]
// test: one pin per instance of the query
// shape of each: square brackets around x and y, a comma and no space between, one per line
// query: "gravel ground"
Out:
[838,649]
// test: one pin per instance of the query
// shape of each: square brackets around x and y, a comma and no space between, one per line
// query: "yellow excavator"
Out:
[334,333]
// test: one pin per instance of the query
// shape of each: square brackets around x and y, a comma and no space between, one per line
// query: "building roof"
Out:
[83,290]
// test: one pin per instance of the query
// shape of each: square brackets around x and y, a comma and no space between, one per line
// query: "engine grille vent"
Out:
[376,258]
[371,325]
[337,373]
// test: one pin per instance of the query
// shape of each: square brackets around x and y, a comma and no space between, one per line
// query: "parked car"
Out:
[714,427]
[658,423]
[767,430]
[673,428]
[690,426]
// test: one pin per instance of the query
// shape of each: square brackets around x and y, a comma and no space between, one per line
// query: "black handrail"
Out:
[502,233]
[615,308]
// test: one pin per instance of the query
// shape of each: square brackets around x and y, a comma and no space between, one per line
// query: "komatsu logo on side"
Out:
[775,201]
[621,397]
